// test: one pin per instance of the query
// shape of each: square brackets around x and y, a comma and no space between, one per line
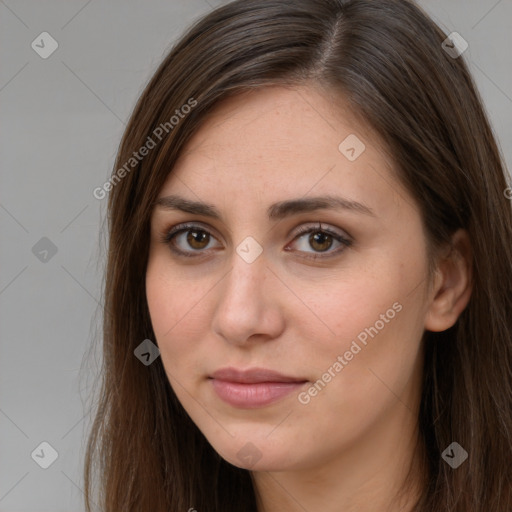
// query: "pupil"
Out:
[320,239]
[195,239]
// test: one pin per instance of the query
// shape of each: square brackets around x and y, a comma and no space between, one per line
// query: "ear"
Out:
[452,284]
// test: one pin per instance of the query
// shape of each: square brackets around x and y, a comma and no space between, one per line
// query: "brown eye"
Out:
[188,240]
[193,241]
[197,238]
[313,241]
[320,241]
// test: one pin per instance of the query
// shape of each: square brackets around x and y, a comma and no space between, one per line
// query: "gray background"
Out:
[62,119]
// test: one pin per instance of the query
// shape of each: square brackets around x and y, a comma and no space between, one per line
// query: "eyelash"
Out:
[168,236]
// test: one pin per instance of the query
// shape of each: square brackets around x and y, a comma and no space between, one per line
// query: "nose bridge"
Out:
[245,305]
[248,269]
[245,283]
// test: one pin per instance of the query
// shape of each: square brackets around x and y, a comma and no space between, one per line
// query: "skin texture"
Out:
[352,441]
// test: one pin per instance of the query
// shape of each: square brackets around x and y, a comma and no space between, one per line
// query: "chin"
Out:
[257,454]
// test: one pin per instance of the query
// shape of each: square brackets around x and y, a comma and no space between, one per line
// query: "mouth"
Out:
[253,388]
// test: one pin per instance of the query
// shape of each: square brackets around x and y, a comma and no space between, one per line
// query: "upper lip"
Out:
[252,376]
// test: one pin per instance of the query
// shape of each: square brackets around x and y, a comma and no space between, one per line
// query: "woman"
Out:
[308,217]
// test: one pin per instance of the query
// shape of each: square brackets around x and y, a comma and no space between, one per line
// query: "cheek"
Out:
[342,307]
[369,368]
[373,323]
[177,307]
[177,319]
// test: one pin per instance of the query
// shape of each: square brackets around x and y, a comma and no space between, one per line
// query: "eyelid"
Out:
[168,235]
[342,238]
[320,226]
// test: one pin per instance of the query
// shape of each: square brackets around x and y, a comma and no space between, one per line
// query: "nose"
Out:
[248,306]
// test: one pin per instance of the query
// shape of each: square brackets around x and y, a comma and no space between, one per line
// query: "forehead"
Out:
[289,121]
[276,143]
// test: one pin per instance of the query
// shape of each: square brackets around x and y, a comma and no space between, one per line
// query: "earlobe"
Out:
[453,285]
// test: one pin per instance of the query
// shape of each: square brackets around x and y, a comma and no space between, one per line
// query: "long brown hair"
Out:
[386,58]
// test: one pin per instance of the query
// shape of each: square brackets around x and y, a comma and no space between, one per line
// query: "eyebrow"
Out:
[275,211]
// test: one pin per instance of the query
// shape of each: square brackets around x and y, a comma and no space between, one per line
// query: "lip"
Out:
[252,388]
[253,376]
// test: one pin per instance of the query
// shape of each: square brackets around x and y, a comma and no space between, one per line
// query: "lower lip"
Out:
[250,396]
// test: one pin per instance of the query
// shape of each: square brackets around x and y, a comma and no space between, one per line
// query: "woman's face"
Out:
[329,318]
